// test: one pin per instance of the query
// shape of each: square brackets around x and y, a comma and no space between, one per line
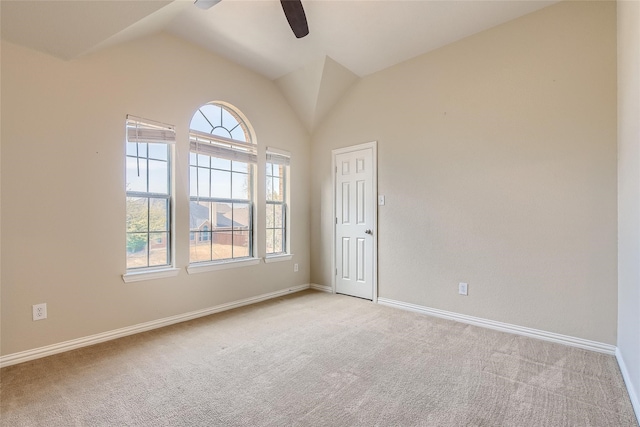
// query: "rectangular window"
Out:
[148,187]
[221,199]
[277,171]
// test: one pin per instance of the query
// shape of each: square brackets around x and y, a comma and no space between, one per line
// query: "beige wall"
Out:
[63,204]
[497,157]
[629,193]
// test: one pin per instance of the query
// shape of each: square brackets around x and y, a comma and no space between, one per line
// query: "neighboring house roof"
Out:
[199,216]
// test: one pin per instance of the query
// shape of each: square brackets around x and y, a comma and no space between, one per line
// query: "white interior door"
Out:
[355,217]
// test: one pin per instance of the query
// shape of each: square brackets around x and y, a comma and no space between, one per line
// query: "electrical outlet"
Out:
[40,311]
[295,267]
[463,288]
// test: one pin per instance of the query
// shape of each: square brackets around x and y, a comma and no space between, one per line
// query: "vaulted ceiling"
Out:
[348,39]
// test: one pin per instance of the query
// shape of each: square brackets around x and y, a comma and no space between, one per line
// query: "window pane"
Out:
[193,181]
[278,241]
[158,151]
[269,188]
[277,189]
[199,250]
[240,167]
[241,215]
[158,249]
[220,131]
[136,250]
[140,150]
[136,174]
[193,159]
[199,215]
[222,245]
[270,169]
[238,134]
[221,184]
[158,177]
[270,241]
[278,216]
[219,163]
[203,161]
[221,215]
[240,244]
[270,215]
[137,214]
[212,113]
[203,182]
[131,149]
[158,215]
[199,123]
[228,120]
[240,189]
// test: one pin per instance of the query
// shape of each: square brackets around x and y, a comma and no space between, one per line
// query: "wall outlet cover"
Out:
[463,288]
[40,311]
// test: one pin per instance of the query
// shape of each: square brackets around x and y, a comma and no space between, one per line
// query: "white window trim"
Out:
[221,265]
[138,276]
[282,157]
[278,258]
[156,132]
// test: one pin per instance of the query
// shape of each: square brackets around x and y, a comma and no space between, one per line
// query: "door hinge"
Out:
[336,220]
[336,271]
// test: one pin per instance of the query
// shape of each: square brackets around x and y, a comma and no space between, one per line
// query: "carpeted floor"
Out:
[315,359]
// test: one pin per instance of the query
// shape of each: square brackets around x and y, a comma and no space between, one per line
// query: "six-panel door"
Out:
[354,223]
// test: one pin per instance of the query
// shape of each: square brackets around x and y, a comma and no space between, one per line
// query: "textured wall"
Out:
[63,195]
[497,156]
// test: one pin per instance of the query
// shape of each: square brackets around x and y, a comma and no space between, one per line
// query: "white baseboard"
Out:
[504,327]
[323,288]
[24,356]
[633,395]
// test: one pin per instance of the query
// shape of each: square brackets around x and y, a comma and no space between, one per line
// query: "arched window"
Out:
[223,158]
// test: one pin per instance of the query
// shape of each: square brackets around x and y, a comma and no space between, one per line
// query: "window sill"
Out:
[138,276]
[222,265]
[278,258]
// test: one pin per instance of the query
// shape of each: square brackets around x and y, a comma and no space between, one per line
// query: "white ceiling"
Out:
[361,36]
[67,29]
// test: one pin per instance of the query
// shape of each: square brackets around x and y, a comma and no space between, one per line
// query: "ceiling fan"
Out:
[293,10]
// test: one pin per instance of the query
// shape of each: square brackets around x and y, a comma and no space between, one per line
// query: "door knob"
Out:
[368,231]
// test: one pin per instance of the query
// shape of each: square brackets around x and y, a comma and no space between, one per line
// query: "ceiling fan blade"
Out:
[294,12]
[205,4]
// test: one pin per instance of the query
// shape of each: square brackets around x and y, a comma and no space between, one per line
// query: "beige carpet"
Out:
[315,359]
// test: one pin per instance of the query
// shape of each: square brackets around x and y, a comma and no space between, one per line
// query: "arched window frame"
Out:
[223,165]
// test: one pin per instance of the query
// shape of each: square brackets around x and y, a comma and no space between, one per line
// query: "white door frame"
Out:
[373,145]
